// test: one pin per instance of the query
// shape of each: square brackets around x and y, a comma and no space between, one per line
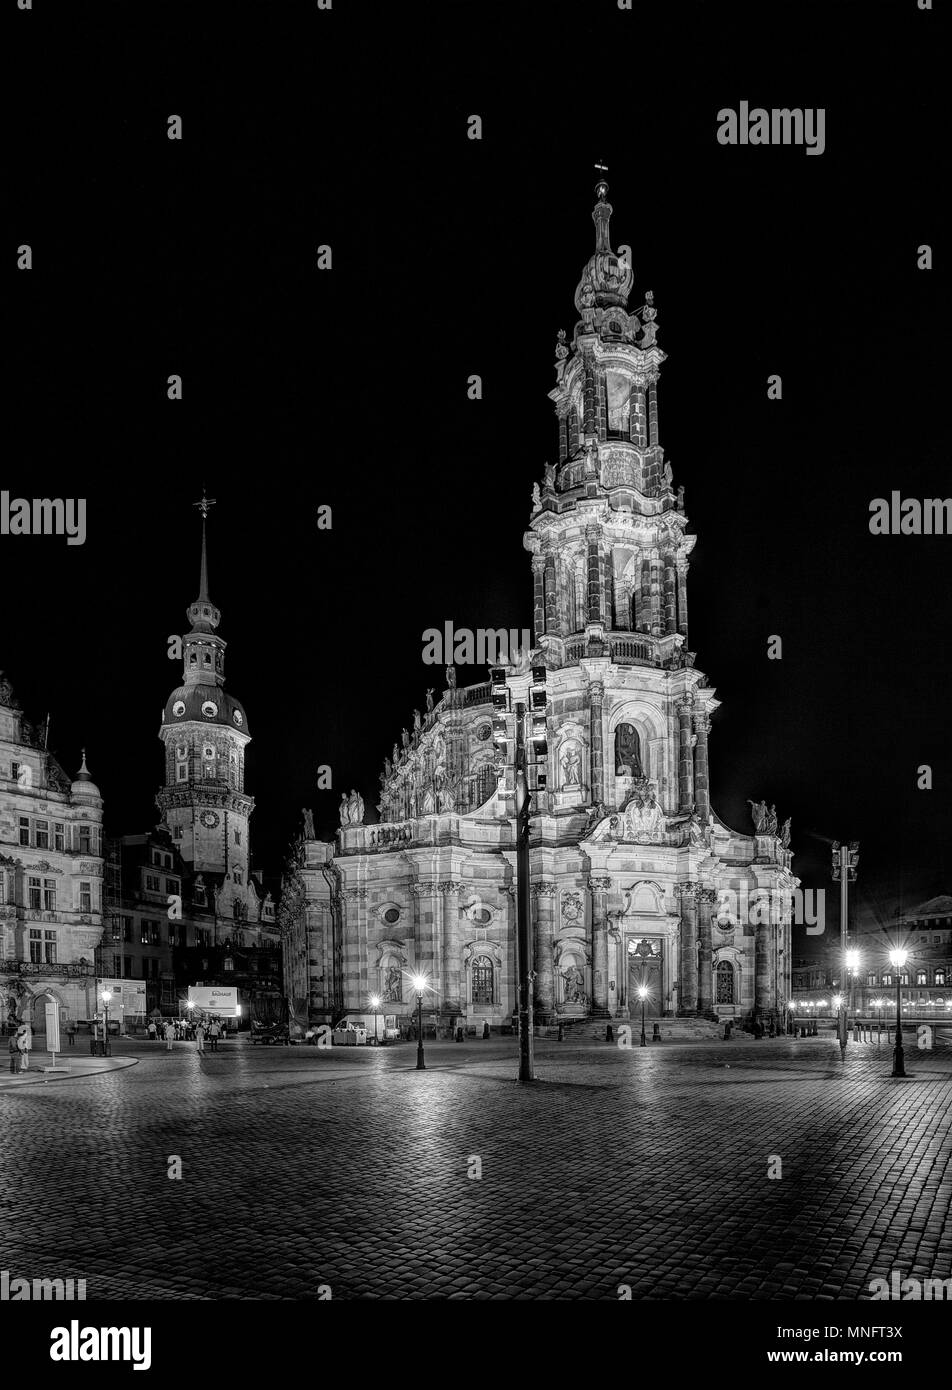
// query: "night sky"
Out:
[453,257]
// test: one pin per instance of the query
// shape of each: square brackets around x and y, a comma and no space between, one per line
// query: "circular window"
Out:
[178,709]
[483,916]
[208,751]
[237,717]
[484,732]
[209,709]
[391,915]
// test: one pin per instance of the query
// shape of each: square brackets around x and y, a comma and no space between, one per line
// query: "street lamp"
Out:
[643,995]
[375,1005]
[106,996]
[419,983]
[852,966]
[897,958]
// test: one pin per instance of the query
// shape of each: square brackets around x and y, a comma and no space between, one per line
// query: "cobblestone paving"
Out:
[348,1168]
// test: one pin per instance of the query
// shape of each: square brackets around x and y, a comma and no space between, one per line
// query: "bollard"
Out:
[485,1028]
[656,1032]
[727,1030]
[561,1037]
[459,1033]
[609,1033]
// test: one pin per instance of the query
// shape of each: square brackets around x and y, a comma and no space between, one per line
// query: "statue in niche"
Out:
[536,498]
[695,829]
[355,808]
[550,475]
[627,752]
[429,700]
[571,767]
[668,475]
[447,799]
[429,802]
[770,822]
[758,814]
[344,809]
[574,982]
[644,818]
[785,834]
[393,986]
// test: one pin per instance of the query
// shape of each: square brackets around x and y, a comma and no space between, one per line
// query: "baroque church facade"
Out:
[630,866]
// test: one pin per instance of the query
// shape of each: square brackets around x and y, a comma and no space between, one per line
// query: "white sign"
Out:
[52,1026]
[214,999]
[128,997]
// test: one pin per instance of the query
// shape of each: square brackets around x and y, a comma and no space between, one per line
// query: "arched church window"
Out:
[482,980]
[628,752]
[724,983]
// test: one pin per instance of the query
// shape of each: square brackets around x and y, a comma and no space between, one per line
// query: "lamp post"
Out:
[643,995]
[852,966]
[375,1005]
[419,984]
[898,957]
[845,861]
[106,997]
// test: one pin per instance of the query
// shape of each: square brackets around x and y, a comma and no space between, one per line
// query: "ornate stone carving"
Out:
[542,889]
[599,884]
[573,909]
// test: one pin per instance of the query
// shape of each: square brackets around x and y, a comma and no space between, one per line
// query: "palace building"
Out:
[629,862]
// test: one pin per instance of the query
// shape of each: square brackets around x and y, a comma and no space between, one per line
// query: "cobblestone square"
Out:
[347,1168]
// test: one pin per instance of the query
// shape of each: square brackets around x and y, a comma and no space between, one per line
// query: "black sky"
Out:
[454,257]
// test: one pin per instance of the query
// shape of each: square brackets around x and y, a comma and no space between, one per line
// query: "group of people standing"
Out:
[175,1030]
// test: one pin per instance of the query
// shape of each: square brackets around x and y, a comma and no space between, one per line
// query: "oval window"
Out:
[209,709]
[178,709]
[483,916]
[391,915]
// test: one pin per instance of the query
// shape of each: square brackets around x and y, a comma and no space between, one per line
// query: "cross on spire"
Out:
[205,504]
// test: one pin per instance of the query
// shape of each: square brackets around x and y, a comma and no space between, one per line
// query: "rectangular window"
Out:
[155,934]
[181,772]
[144,933]
[127,930]
[237,837]
[85,897]
[116,967]
[117,928]
[34,886]
[84,840]
[15,772]
[152,883]
[171,885]
[59,836]
[49,895]
[176,832]
[127,967]
[49,947]
[42,834]
[24,830]
[36,946]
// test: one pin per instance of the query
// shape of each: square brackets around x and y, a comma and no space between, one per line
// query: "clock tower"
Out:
[205,732]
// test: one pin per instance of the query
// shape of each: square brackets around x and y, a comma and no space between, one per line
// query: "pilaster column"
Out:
[762,930]
[592,537]
[702,791]
[426,943]
[542,895]
[598,887]
[655,594]
[707,897]
[589,425]
[687,965]
[551,594]
[563,438]
[683,600]
[652,413]
[685,709]
[636,417]
[573,432]
[670,595]
[354,963]
[644,598]
[596,695]
[452,958]
[538,595]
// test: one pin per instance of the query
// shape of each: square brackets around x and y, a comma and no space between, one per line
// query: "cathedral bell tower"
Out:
[607,539]
[205,732]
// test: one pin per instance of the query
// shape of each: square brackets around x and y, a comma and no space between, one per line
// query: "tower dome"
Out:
[83,787]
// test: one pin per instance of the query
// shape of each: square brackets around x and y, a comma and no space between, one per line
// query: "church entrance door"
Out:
[645,970]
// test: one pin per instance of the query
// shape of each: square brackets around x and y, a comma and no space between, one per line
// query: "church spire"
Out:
[202,614]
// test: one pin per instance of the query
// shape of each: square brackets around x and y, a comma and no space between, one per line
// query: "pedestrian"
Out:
[153,1031]
[200,1036]
[214,1033]
[169,1035]
[24,1043]
[71,1032]
[14,1053]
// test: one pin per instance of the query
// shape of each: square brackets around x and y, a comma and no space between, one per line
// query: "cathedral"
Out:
[630,867]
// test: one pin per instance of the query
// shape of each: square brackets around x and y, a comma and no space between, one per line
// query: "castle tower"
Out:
[205,732]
